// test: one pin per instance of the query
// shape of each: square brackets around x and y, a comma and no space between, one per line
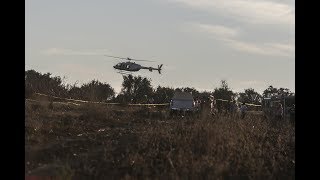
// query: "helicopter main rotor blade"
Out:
[129,59]
[140,60]
[115,57]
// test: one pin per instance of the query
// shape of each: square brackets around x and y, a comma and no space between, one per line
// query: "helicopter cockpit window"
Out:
[119,64]
[128,66]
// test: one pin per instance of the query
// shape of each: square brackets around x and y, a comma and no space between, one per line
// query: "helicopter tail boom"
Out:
[151,68]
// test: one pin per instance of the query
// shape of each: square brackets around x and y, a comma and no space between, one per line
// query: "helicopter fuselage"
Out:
[127,66]
[132,66]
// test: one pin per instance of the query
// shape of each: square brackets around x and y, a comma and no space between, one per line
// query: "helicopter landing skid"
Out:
[125,73]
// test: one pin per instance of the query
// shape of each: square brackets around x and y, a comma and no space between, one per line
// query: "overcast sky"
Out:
[249,43]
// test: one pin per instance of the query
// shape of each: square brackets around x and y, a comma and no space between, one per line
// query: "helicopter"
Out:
[132,66]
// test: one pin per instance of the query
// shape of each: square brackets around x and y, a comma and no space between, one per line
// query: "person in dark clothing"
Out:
[292,113]
[227,108]
[243,110]
[279,112]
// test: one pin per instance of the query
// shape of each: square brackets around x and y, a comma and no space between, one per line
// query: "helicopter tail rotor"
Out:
[159,68]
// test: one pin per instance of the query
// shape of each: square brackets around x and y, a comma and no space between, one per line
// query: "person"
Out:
[219,107]
[234,108]
[202,102]
[197,104]
[227,108]
[243,110]
[292,113]
[212,107]
[279,112]
[151,101]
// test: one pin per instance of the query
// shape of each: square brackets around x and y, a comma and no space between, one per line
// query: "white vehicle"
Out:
[182,103]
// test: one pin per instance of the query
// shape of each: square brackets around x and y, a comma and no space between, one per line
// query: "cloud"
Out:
[251,11]
[217,30]
[63,51]
[282,46]
[272,49]
[231,37]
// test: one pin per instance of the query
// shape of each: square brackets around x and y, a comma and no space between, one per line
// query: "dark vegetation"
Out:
[134,90]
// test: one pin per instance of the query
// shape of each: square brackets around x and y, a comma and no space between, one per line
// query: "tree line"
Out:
[136,89]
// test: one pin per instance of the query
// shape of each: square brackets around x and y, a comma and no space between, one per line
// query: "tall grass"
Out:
[99,142]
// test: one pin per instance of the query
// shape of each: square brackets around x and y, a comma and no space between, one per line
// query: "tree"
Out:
[127,84]
[223,92]
[285,92]
[204,95]
[94,91]
[178,89]
[143,90]
[272,91]
[136,89]
[163,94]
[193,91]
[44,83]
[250,96]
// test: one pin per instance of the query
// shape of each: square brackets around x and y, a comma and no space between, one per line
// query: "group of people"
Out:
[230,108]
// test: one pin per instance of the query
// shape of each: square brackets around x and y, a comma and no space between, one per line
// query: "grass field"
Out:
[87,141]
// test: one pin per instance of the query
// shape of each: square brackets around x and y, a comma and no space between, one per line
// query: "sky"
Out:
[248,43]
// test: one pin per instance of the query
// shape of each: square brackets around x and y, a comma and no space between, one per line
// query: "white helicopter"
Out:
[132,66]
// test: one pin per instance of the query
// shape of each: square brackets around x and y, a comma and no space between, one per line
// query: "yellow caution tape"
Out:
[82,101]
[164,104]
[245,103]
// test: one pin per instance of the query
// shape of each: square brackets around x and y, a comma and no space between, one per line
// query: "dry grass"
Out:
[95,141]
